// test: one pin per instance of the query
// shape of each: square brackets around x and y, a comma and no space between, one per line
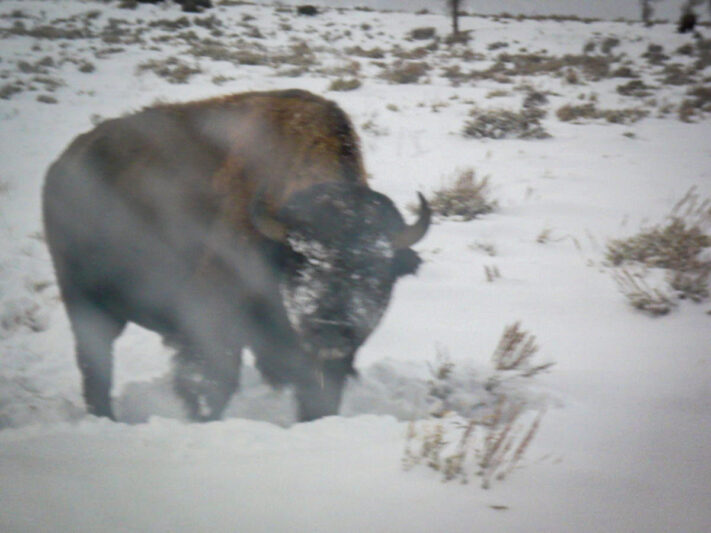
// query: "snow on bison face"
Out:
[347,245]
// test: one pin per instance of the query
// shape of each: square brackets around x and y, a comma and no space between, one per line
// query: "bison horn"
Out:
[411,234]
[265,224]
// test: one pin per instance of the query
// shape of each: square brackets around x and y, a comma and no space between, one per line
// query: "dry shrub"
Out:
[534,99]
[218,51]
[655,54]
[675,245]
[47,99]
[574,113]
[703,52]
[171,25]
[415,53]
[628,115]
[9,89]
[592,67]
[489,447]
[496,45]
[678,247]
[641,295]
[608,44]
[697,103]
[491,441]
[49,32]
[589,111]
[676,74]
[422,34]
[491,273]
[503,123]
[403,72]
[464,198]
[38,67]
[624,71]
[636,88]
[515,352]
[299,54]
[373,53]
[173,70]
[344,84]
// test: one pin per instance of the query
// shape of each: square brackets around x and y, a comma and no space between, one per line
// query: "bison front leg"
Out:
[318,384]
[206,383]
[319,393]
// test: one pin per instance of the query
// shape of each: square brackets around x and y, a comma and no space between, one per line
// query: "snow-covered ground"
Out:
[625,443]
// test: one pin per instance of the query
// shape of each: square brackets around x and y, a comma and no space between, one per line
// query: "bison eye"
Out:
[405,262]
[288,257]
[296,260]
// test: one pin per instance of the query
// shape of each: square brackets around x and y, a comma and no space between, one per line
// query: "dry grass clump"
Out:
[344,84]
[675,245]
[676,74]
[173,70]
[299,54]
[8,90]
[41,66]
[703,52]
[464,198]
[49,32]
[496,45]
[641,295]
[655,54]
[423,34]
[413,54]
[697,103]
[118,31]
[554,18]
[636,88]
[608,44]
[515,351]
[503,123]
[534,99]
[679,247]
[625,71]
[593,67]
[171,25]
[402,72]
[219,51]
[47,99]
[372,53]
[490,442]
[489,447]
[589,111]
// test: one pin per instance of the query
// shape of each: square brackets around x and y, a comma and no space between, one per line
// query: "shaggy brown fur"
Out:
[280,142]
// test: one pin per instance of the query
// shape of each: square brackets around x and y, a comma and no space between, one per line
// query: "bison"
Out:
[307,10]
[687,21]
[243,221]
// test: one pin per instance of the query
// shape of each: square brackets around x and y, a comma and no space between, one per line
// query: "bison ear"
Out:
[405,262]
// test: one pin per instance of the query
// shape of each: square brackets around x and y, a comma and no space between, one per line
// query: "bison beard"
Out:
[242,221]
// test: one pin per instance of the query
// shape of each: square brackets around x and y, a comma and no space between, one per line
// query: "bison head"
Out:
[344,245]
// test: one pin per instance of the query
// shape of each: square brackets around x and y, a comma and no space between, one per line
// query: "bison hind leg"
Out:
[205,385]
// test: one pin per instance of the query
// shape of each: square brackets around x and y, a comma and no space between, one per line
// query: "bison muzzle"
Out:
[237,222]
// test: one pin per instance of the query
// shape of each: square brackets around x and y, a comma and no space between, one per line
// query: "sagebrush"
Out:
[489,439]
[678,247]
[465,197]
[503,124]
